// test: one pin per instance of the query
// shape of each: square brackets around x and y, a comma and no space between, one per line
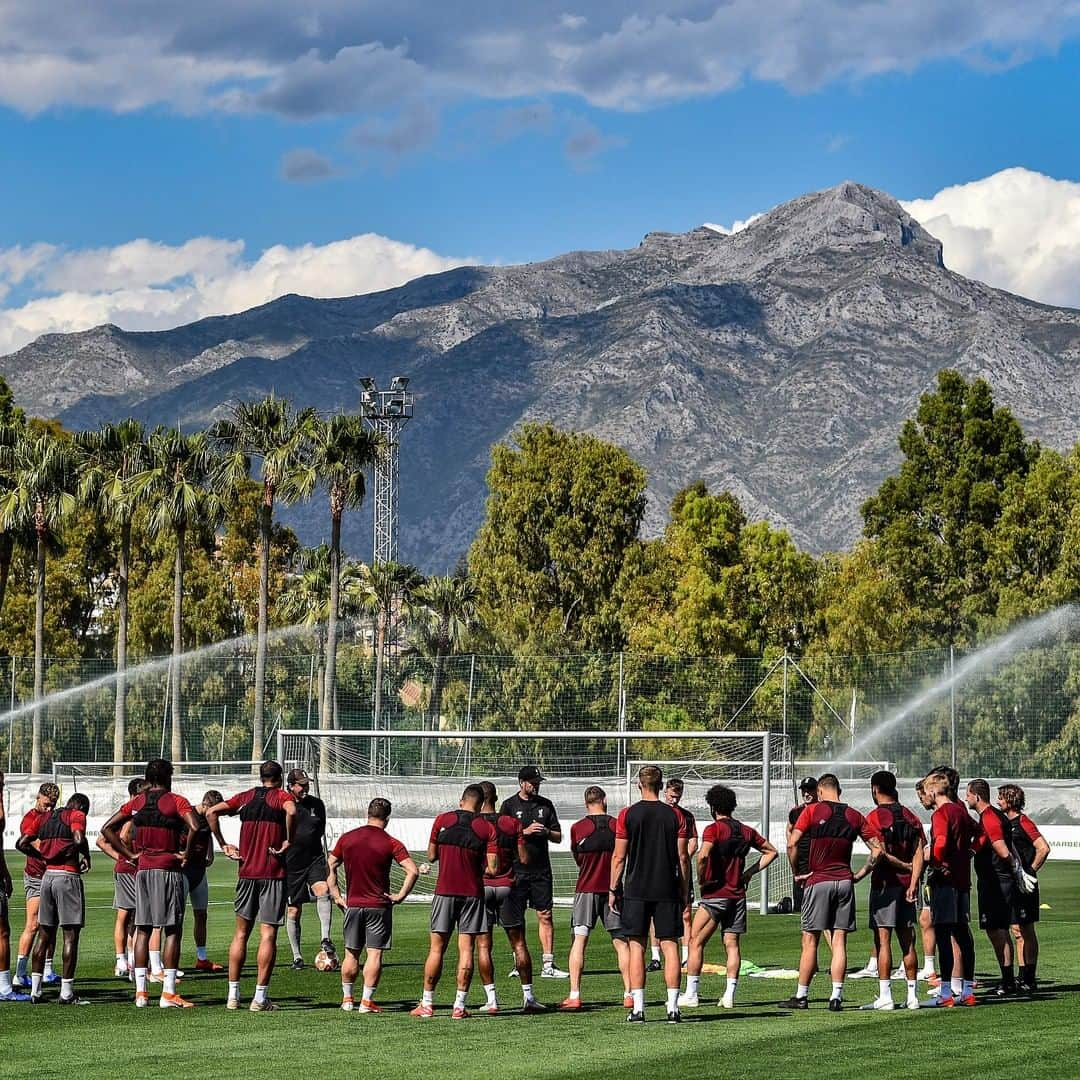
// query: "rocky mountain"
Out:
[778,363]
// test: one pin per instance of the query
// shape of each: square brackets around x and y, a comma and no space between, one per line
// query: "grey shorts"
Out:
[261,900]
[31,886]
[949,906]
[124,892]
[63,902]
[591,908]
[159,898]
[368,927]
[466,914]
[829,905]
[729,915]
[502,907]
[200,895]
[890,909]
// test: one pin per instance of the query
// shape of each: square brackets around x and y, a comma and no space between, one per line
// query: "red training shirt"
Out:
[727,858]
[592,841]
[508,834]
[35,865]
[367,854]
[159,845]
[57,852]
[951,832]
[259,835]
[885,875]
[833,829]
[461,865]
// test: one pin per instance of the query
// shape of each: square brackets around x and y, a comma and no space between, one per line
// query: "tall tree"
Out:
[338,454]
[44,491]
[109,458]
[177,486]
[445,616]
[271,431]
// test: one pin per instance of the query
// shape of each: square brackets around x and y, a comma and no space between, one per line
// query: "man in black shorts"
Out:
[305,867]
[673,793]
[650,872]
[532,880]
[200,857]
[808,794]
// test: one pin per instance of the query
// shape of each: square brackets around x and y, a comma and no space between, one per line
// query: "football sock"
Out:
[928,967]
[48,967]
[673,999]
[234,990]
[169,986]
[639,999]
[155,962]
[292,928]
[260,994]
[489,991]
[67,988]
[459,999]
[325,907]
[429,997]
[131,959]
[656,952]
[140,980]
[121,960]
[369,992]
[575,995]
[1007,977]
[5,982]
[35,984]
[685,953]
[346,989]
[20,967]
[526,992]
[802,991]
[837,990]
[871,964]
[549,960]
[200,952]
[692,984]
[912,987]
[957,985]
[731,984]
[884,987]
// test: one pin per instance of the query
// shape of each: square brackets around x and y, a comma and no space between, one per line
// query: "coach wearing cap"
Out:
[532,879]
[808,794]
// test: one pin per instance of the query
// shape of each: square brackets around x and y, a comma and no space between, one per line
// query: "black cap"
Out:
[530,773]
[808,783]
[298,776]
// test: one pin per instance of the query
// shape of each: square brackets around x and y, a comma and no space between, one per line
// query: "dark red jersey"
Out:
[367,853]
[35,865]
[901,835]
[592,840]
[508,834]
[462,843]
[690,823]
[833,828]
[56,831]
[1024,834]
[652,830]
[262,827]
[731,841]
[951,833]
[199,851]
[126,866]
[993,826]
[160,829]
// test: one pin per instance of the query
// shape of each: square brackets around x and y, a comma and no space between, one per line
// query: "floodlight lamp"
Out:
[367,383]
[399,382]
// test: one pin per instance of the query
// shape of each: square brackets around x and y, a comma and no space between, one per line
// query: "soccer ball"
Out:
[325,962]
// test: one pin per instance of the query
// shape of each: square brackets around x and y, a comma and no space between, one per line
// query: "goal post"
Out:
[422,773]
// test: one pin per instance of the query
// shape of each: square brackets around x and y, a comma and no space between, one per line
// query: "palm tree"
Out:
[340,451]
[444,617]
[176,484]
[109,459]
[271,431]
[43,493]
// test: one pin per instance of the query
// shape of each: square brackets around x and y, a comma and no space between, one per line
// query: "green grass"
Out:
[312,1036]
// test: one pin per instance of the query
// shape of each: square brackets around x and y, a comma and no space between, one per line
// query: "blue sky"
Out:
[215,134]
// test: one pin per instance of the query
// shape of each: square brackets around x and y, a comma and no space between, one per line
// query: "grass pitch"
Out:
[310,1036]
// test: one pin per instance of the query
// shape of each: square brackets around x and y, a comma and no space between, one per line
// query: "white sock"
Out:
[966,989]
[260,994]
[35,985]
[549,960]
[200,952]
[429,997]
[575,995]
[672,999]
[692,984]
[292,928]
[685,953]
[234,990]
[884,988]
[67,988]
[121,960]
[912,988]
[325,907]
[656,952]
[489,991]
[731,984]
[140,980]
[20,967]
[5,982]
[639,999]
[837,990]
[928,967]
[346,990]
[131,959]
[526,992]
[957,985]
[802,991]
[48,972]
[169,986]
[459,999]
[155,962]
[369,993]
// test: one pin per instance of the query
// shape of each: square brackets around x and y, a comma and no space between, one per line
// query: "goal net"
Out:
[422,773]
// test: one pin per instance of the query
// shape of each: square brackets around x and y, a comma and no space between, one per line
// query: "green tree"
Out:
[562,511]
[444,618]
[177,487]
[271,431]
[935,517]
[109,458]
[12,422]
[43,494]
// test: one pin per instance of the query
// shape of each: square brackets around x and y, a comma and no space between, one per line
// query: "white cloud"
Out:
[144,285]
[1017,230]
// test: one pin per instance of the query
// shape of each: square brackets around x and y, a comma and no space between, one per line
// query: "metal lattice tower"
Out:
[386,411]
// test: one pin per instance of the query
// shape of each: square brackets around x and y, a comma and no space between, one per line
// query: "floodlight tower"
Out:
[386,412]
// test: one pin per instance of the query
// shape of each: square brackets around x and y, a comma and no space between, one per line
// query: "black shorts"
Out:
[533,891]
[298,883]
[665,915]
[997,902]
[1026,907]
